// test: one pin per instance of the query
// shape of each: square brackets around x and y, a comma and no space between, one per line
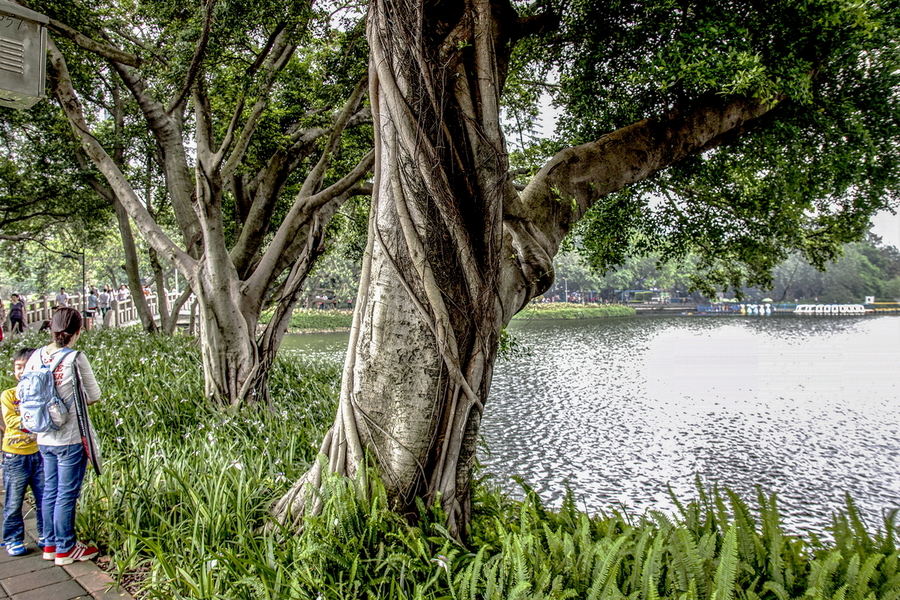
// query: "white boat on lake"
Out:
[830,309]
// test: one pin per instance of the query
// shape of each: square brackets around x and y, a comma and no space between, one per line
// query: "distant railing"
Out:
[120,313]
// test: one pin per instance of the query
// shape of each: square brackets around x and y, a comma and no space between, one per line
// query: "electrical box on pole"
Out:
[23,55]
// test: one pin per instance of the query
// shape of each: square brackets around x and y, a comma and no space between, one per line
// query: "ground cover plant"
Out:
[562,310]
[187,490]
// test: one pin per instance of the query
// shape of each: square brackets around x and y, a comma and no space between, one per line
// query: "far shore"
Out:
[310,320]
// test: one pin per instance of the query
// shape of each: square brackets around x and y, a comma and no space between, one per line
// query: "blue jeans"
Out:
[19,472]
[64,468]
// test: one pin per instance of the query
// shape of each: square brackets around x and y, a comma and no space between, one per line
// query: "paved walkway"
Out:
[30,577]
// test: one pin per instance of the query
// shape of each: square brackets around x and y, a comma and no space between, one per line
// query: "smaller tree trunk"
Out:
[131,269]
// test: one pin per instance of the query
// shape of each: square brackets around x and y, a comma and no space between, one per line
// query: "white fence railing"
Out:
[121,312]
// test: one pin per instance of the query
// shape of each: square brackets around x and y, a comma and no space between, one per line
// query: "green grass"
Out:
[187,487]
[310,319]
[562,310]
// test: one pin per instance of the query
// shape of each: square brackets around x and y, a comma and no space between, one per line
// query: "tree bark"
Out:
[454,250]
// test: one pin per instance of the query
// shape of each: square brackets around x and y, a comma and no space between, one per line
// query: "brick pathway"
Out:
[30,577]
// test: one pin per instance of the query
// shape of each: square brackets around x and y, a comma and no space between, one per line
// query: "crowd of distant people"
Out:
[13,316]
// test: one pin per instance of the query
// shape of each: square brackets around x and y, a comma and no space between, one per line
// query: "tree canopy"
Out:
[242,129]
[805,177]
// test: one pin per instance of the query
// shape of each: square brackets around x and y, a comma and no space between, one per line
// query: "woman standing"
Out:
[16,314]
[65,460]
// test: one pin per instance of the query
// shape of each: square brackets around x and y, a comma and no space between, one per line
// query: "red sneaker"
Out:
[49,552]
[79,551]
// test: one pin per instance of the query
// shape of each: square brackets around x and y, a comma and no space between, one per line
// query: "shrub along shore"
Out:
[187,487]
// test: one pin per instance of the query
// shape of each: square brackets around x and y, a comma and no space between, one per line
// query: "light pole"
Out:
[83,275]
[566,297]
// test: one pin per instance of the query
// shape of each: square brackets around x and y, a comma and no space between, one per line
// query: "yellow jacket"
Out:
[15,441]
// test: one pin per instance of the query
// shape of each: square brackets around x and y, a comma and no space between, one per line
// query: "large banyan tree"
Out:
[738,129]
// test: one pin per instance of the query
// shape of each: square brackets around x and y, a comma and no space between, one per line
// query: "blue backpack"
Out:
[40,407]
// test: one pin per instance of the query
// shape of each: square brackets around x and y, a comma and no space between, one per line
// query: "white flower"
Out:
[442,561]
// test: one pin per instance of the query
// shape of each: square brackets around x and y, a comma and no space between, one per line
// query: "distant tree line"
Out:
[866,268]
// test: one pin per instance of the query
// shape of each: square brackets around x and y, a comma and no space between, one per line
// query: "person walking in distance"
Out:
[93,305]
[104,299]
[16,314]
[65,459]
[62,298]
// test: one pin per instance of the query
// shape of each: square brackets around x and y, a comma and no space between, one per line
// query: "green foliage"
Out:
[45,195]
[187,488]
[804,179]
[861,269]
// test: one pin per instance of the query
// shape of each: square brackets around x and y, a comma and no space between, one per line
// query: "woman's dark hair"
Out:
[66,322]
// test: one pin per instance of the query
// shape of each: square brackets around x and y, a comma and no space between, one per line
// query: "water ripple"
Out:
[617,410]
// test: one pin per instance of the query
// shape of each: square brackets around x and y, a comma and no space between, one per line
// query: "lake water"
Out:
[619,409]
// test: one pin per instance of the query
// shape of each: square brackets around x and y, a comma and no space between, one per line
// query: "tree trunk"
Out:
[226,344]
[131,269]
[257,384]
[428,315]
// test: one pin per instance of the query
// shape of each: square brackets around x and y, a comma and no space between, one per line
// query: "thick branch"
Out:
[307,200]
[99,48]
[194,67]
[262,194]
[65,93]
[576,178]
[167,131]
[282,250]
[274,63]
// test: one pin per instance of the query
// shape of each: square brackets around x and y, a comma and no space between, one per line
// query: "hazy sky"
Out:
[888,227]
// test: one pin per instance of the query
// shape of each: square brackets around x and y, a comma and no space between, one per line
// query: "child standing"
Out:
[22,466]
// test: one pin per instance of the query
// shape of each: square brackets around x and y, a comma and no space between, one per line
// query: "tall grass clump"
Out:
[187,487]
[563,310]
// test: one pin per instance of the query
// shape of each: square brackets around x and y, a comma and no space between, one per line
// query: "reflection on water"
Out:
[618,409]
[805,407]
[319,346]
